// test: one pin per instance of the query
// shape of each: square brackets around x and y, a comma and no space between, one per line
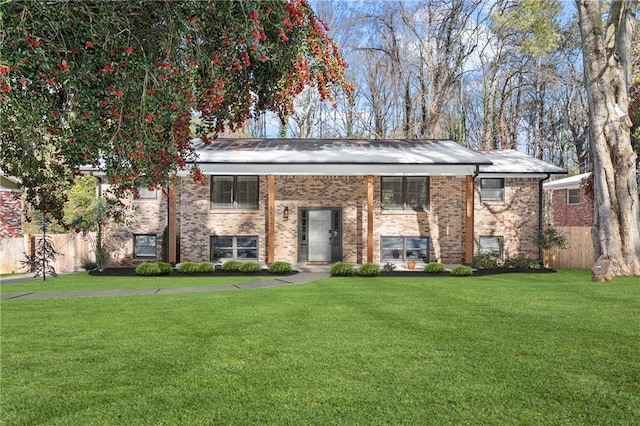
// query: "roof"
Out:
[350,157]
[571,182]
[512,162]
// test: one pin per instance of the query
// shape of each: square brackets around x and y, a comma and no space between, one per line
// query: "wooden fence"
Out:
[73,250]
[579,252]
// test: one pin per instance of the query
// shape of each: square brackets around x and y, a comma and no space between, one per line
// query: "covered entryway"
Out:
[320,235]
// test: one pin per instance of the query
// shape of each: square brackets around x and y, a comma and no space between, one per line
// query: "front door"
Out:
[320,232]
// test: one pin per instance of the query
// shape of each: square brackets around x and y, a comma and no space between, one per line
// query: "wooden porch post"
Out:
[468,222]
[370,182]
[271,217]
[172,223]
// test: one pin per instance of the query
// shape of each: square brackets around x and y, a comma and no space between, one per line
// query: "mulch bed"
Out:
[131,272]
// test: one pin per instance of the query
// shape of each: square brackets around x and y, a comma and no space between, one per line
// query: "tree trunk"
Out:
[616,231]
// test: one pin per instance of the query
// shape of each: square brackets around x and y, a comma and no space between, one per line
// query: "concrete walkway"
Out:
[302,277]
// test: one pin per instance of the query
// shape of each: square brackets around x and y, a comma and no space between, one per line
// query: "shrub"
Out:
[522,262]
[148,269]
[461,271]
[341,269]
[389,267]
[165,268]
[280,267]
[369,270]
[250,267]
[195,267]
[485,260]
[551,237]
[88,264]
[231,266]
[434,268]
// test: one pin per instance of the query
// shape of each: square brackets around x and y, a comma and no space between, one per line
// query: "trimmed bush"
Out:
[485,261]
[462,271]
[231,266]
[250,267]
[369,270]
[195,267]
[280,267]
[434,268]
[165,268]
[522,262]
[148,269]
[341,269]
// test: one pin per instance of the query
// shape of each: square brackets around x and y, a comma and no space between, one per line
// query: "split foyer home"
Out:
[320,201]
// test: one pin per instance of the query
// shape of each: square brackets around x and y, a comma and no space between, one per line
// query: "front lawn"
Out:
[504,349]
[82,281]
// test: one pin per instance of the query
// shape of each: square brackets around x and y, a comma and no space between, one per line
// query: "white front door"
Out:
[320,235]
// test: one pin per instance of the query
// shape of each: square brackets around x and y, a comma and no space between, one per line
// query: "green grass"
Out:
[84,281]
[506,349]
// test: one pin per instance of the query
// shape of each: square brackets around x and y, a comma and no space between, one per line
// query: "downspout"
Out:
[540,192]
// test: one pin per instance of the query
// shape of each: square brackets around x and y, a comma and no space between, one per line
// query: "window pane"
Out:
[392,248]
[247,191]
[221,248]
[222,191]
[573,196]
[491,245]
[144,246]
[492,189]
[247,247]
[417,247]
[391,197]
[416,193]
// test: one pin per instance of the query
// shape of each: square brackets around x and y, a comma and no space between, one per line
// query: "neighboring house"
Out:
[570,203]
[321,201]
[10,207]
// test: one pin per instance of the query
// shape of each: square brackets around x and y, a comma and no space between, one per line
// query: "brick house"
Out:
[570,203]
[10,207]
[321,201]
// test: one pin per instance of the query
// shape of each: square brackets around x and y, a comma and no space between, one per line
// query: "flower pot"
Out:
[411,264]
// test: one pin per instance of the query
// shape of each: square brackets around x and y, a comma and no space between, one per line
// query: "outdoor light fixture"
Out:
[286,213]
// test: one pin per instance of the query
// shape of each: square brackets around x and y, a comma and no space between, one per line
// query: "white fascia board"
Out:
[338,169]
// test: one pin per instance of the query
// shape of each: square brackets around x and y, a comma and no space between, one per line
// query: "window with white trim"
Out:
[405,192]
[145,246]
[573,196]
[234,247]
[492,189]
[234,192]
[491,244]
[404,248]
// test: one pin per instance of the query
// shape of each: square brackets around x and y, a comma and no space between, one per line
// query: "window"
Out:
[236,247]
[491,189]
[491,245]
[405,193]
[144,246]
[573,196]
[234,192]
[145,193]
[401,248]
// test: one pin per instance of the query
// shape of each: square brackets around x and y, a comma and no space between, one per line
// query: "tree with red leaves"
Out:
[116,84]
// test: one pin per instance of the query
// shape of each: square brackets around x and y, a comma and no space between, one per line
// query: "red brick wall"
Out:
[571,214]
[10,215]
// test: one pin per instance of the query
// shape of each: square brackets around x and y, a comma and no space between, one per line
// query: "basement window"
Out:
[404,248]
[234,247]
[145,246]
